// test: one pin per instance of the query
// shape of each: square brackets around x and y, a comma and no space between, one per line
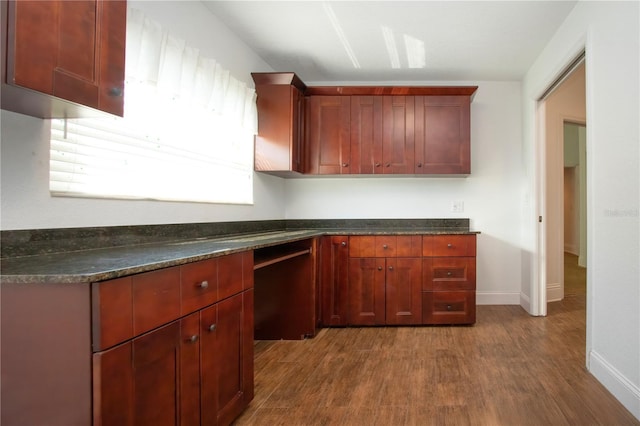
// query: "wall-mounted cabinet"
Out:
[279,142]
[378,130]
[63,56]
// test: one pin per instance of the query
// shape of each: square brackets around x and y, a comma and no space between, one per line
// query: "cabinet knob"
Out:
[449,245]
[391,268]
[448,307]
[449,273]
[377,164]
[388,164]
[384,246]
[212,327]
[345,164]
[115,92]
[193,338]
[379,268]
[203,284]
[343,244]
[419,164]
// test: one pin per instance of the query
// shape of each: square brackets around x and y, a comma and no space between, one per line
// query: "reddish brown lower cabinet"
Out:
[385,288]
[398,280]
[334,280]
[167,347]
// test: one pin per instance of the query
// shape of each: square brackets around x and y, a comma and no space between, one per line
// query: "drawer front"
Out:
[235,273]
[362,246]
[449,273]
[112,314]
[409,246]
[385,246]
[449,245]
[449,307]
[199,285]
[156,299]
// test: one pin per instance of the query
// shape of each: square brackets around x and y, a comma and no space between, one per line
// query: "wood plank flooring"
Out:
[508,369]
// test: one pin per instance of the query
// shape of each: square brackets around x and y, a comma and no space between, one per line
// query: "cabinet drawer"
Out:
[235,273]
[449,273]
[199,285]
[112,314]
[449,307]
[156,299]
[385,246]
[449,245]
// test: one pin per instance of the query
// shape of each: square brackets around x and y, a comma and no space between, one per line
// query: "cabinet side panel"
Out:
[46,354]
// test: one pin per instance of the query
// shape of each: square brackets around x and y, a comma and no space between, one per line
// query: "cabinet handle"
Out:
[384,246]
[388,164]
[391,268]
[449,273]
[193,338]
[377,164]
[449,245]
[212,327]
[343,244]
[345,164]
[419,164]
[379,268]
[203,284]
[448,307]
[115,92]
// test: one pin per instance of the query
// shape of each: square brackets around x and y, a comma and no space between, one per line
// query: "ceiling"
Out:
[399,41]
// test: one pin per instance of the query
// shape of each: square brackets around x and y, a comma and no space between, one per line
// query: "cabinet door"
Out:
[334,280]
[398,134]
[404,291]
[442,132]
[278,146]
[366,291]
[328,135]
[366,135]
[227,358]
[73,50]
[138,383]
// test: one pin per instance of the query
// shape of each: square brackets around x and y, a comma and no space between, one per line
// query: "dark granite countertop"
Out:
[98,264]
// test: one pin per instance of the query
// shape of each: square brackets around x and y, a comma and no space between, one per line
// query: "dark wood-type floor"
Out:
[508,369]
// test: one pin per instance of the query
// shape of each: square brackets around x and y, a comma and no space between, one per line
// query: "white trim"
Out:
[497,298]
[620,387]
[525,302]
[555,292]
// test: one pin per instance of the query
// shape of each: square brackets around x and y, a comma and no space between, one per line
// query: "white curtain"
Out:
[187,133]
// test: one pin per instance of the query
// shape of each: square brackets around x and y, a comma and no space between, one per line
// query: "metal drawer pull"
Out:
[448,307]
[449,274]
[212,327]
[193,338]
[344,244]
[203,284]
[391,268]
[449,245]
[384,246]
[379,268]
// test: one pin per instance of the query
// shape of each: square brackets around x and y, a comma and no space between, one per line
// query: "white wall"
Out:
[24,149]
[609,32]
[491,194]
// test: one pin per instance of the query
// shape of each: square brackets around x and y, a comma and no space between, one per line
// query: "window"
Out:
[187,133]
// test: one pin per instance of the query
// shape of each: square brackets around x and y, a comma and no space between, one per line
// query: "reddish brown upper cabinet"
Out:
[366,135]
[279,143]
[398,134]
[63,56]
[442,135]
[328,135]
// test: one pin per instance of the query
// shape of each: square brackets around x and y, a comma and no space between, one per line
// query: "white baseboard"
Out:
[572,248]
[525,302]
[626,392]
[497,298]
[555,292]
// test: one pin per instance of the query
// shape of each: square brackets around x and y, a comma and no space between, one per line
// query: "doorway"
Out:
[564,103]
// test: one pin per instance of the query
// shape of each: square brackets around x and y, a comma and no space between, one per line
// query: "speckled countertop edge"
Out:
[94,265]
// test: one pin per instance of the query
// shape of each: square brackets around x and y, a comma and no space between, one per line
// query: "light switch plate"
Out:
[457,206]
